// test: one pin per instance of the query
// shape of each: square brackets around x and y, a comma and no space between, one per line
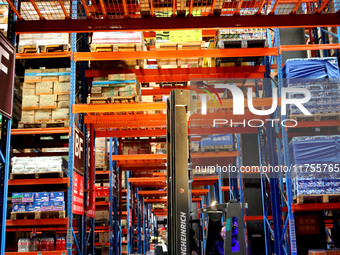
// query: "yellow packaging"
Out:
[63,104]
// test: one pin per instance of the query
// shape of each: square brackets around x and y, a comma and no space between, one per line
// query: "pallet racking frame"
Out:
[83,25]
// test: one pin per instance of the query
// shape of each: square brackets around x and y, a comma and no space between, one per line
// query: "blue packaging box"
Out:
[41,197]
[21,207]
[46,206]
[58,206]
[33,207]
[56,196]
[27,197]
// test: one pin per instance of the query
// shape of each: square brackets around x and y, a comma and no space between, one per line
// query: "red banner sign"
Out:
[79,150]
[7,62]
[91,211]
[78,194]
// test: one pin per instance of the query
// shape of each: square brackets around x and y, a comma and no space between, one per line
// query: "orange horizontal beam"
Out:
[221,154]
[228,103]
[41,181]
[213,53]
[132,133]
[102,172]
[225,188]
[316,207]
[333,46]
[255,218]
[168,72]
[199,192]
[40,131]
[147,180]
[156,201]
[209,32]
[196,199]
[40,222]
[149,34]
[111,108]
[119,158]
[65,54]
[152,193]
[202,181]
[97,119]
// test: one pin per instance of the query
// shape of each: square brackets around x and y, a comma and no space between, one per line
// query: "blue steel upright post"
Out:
[289,194]
[5,142]
[71,138]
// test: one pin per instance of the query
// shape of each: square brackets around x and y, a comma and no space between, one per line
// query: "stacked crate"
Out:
[46,96]
[101,159]
[113,88]
[48,42]
[315,166]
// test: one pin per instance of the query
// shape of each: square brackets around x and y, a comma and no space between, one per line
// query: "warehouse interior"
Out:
[170,127]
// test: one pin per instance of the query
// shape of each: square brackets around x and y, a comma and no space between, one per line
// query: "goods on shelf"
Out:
[38,202]
[116,37]
[135,147]
[217,143]
[179,36]
[102,192]
[45,96]
[101,154]
[47,42]
[3,19]
[36,165]
[114,88]
[242,34]
[321,77]
[316,165]
[324,252]
[45,244]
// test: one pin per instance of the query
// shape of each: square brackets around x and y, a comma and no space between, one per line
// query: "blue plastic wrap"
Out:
[214,142]
[318,150]
[314,68]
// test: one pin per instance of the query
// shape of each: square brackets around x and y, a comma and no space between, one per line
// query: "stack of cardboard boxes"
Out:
[115,85]
[46,95]
[101,156]
[40,41]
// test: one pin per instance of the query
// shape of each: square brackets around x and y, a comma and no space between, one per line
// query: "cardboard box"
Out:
[64,74]
[26,85]
[48,102]
[49,74]
[30,102]
[44,88]
[41,197]
[32,75]
[27,116]
[61,88]
[147,99]
[103,237]
[64,97]
[43,115]
[56,196]
[46,206]
[116,77]
[130,76]
[101,215]
[63,104]
[33,207]
[61,114]
[28,92]
[22,197]
[58,206]
[96,90]
[19,207]
[100,79]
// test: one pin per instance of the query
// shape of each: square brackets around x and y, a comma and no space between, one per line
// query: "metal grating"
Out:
[100,9]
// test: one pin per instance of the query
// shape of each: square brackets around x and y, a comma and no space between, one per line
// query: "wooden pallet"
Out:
[180,63]
[54,48]
[316,117]
[45,124]
[305,199]
[129,99]
[13,176]
[98,100]
[28,49]
[180,46]
[116,47]
[38,215]
[237,43]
